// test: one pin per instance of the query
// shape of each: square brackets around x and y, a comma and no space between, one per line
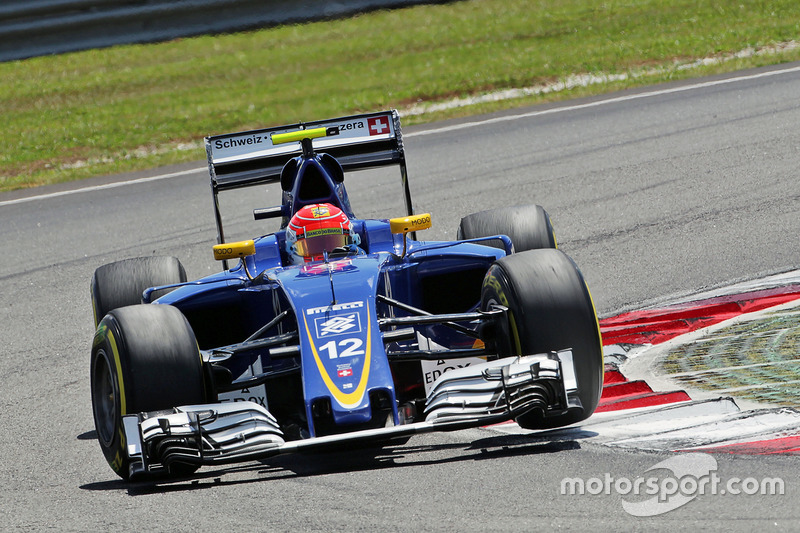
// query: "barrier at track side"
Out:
[31,28]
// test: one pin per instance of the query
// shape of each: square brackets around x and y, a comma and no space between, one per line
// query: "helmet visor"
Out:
[314,245]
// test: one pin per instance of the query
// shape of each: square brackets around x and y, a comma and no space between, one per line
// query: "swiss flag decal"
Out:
[378,125]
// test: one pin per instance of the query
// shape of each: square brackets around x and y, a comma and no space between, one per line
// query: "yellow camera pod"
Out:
[234,250]
[405,225]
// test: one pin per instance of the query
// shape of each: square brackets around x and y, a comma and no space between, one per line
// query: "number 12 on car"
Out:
[343,348]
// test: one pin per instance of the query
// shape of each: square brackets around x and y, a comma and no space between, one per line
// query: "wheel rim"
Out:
[105,399]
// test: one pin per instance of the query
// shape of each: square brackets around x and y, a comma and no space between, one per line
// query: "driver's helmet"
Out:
[318,228]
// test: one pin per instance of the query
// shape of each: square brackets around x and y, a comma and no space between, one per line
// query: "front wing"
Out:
[473,396]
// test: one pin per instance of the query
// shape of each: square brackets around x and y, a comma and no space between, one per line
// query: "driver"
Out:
[319,228]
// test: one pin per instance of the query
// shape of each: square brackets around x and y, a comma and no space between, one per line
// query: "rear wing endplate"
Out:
[358,142]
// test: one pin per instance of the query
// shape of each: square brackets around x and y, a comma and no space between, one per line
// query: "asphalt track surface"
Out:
[657,194]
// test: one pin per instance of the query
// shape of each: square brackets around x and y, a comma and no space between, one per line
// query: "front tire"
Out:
[550,309]
[528,226]
[144,358]
[122,283]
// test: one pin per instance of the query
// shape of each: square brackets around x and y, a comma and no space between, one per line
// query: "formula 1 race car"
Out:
[336,330]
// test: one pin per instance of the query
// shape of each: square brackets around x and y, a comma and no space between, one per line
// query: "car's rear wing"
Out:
[358,142]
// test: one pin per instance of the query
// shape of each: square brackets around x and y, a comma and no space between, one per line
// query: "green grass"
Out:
[131,107]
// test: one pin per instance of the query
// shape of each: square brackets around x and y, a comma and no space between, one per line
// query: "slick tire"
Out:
[528,226]
[123,282]
[550,309]
[144,358]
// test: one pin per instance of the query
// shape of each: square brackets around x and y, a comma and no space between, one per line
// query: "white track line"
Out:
[102,187]
[455,127]
[618,99]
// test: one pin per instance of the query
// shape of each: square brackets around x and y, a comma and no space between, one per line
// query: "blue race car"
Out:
[336,330]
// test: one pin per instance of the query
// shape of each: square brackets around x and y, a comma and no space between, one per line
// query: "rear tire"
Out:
[550,309]
[528,226]
[123,282]
[144,358]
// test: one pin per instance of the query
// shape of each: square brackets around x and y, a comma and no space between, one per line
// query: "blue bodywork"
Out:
[343,361]
[325,359]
